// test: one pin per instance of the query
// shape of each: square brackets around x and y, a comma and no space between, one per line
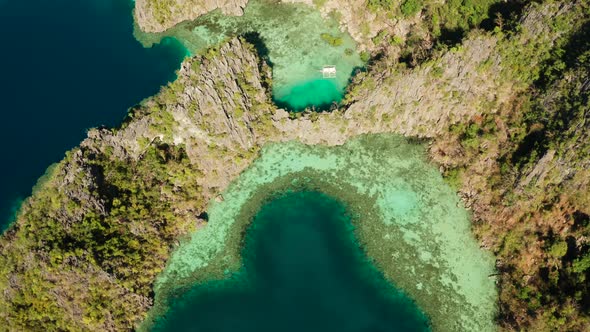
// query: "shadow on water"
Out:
[315,95]
[311,107]
[255,39]
[263,52]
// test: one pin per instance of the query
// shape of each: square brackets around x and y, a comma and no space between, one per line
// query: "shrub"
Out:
[376,5]
[411,7]
[319,3]
[558,249]
[437,72]
[332,40]
[582,264]
[365,56]
[380,37]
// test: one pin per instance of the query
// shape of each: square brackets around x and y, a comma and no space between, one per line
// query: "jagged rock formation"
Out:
[217,100]
[157,16]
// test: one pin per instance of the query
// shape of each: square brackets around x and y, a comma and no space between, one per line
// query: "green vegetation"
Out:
[448,19]
[332,40]
[376,5]
[458,15]
[117,241]
[440,27]
[88,245]
[365,56]
[319,3]
[411,7]
[544,255]
[558,249]
[380,37]
[161,10]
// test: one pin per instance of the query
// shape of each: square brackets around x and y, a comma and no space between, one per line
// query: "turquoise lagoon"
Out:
[303,271]
[409,223]
[290,39]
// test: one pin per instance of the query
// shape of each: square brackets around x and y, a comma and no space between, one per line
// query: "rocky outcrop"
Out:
[154,16]
[216,102]
[421,103]
[160,15]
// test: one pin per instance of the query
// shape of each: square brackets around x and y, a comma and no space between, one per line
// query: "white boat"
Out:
[329,71]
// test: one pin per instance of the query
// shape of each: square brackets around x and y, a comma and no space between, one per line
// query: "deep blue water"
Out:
[303,271]
[65,66]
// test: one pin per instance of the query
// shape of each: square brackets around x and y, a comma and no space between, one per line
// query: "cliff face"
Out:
[473,102]
[374,24]
[89,243]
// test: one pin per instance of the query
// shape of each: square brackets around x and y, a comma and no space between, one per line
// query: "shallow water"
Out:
[317,92]
[408,221]
[291,33]
[65,66]
[303,271]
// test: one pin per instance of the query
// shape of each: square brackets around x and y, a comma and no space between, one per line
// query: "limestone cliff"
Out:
[157,15]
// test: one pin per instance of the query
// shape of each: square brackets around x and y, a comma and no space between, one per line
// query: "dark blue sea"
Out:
[66,66]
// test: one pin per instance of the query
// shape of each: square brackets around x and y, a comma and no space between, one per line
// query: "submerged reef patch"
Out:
[408,221]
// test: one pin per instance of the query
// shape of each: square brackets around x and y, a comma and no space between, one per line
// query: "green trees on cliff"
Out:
[452,16]
[122,226]
[541,184]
